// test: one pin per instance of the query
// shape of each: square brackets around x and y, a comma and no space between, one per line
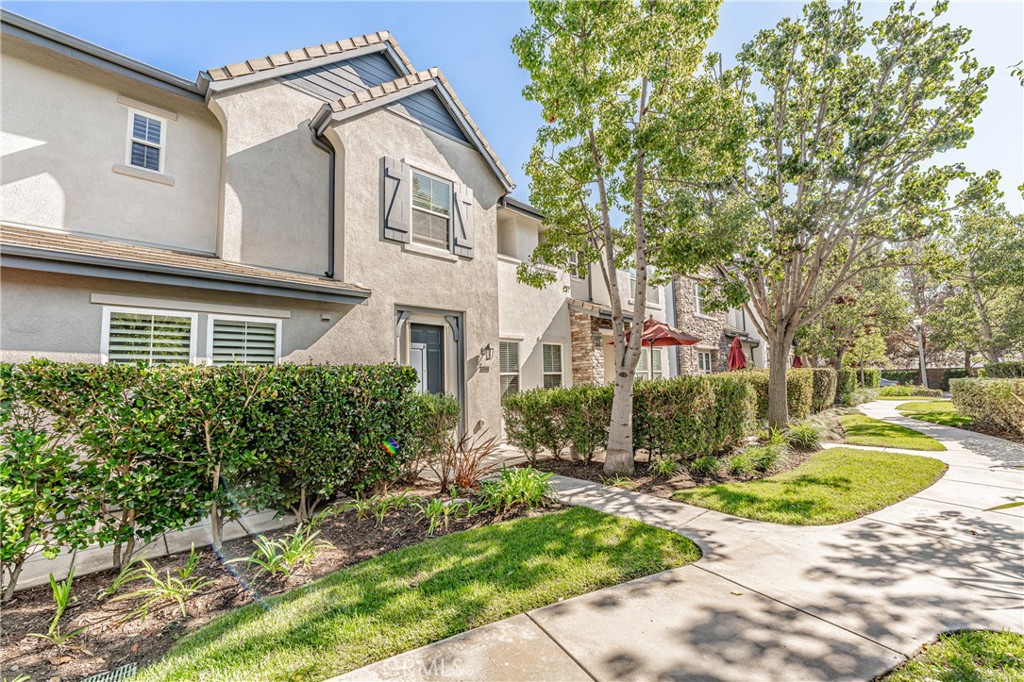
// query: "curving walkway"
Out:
[774,602]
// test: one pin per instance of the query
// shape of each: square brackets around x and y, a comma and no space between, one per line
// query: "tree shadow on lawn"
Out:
[883,434]
[798,499]
[411,597]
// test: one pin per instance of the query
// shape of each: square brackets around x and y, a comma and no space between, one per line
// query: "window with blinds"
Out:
[431,210]
[508,366]
[153,338]
[146,141]
[239,340]
[552,365]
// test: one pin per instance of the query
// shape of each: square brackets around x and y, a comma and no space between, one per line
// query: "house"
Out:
[330,204]
[717,330]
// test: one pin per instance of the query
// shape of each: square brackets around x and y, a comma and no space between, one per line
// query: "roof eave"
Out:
[46,260]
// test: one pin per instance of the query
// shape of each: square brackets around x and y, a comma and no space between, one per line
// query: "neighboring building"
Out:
[717,331]
[147,217]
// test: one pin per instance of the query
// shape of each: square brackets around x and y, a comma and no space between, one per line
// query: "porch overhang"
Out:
[596,310]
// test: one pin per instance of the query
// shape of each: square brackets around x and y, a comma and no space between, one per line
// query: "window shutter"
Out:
[397,200]
[462,244]
[244,341]
[154,339]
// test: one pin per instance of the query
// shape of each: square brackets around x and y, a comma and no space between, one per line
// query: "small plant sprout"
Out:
[168,589]
[705,466]
[664,466]
[281,558]
[62,599]
[360,505]
[438,513]
[619,481]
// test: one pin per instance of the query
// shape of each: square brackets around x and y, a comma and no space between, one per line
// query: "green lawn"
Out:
[936,412]
[982,656]
[835,485]
[420,594]
[863,430]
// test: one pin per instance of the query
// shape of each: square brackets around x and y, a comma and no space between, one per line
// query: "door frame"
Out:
[455,321]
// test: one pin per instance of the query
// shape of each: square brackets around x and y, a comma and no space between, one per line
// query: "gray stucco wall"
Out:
[64,130]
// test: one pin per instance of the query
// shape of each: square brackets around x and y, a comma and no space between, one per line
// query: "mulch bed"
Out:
[110,642]
[645,481]
[1005,435]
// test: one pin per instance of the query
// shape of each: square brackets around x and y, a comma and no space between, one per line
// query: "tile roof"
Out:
[49,245]
[365,97]
[305,54]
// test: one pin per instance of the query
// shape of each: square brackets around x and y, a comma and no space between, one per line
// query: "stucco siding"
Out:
[64,131]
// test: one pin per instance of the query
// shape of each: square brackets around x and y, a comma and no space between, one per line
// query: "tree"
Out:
[632,129]
[845,119]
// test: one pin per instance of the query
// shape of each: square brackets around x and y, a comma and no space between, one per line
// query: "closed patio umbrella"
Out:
[797,362]
[737,359]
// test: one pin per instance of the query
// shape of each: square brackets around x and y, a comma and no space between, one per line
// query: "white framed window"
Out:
[648,356]
[653,293]
[253,340]
[147,136]
[698,298]
[508,366]
[552,365]
[431,210]
[150,336]
[704,362]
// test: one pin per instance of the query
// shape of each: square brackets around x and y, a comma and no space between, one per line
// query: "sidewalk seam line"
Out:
[965,506]
[944,537]
[559,645]
[797,608]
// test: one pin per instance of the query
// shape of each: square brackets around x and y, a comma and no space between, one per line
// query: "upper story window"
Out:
[698,298]
[146,137]
[431,210]
[653,293]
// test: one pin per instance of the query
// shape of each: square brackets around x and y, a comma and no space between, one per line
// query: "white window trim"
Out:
[561,359]
[208,359]
[130,137]
[451,210]
[700,369]
[698,300]
[105,328]
[519,364]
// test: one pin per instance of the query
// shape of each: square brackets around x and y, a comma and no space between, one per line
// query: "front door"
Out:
[426,355]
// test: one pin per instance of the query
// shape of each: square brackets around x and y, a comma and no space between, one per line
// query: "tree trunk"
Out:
[778,408]
[618,458]
[216,521]
[967,363]
[13,577]
[985,326]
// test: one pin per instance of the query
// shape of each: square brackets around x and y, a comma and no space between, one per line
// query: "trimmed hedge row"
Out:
[113,453]
[992,403]
[910,391]
[824,388]
[799,390]
[846,387]
[1004,370]
[913,376]
[681,417]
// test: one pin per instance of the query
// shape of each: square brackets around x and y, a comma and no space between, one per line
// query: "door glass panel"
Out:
[429,339]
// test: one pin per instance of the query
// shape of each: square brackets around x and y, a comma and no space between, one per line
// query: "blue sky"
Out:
[470,42]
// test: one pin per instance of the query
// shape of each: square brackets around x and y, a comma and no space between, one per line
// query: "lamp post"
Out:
[919,323]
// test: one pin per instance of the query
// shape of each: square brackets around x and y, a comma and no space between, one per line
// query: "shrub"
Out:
[281,557]
[585,411]
[763,457]
[799,390]
[1004,370]
[910,391]
[740,463]
[992,403]
[434,420]
[846,386]
[902,376]
[869,378]
[663,466]
[823,392]
[523,486]
[705,466]
[804,436]
[526,421]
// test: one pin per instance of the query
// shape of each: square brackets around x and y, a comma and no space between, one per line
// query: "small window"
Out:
[152,337]
[236,339]
[508,361]
[653,293]
[698,298]
[431,210]
[552,365]
[704,362]
[648,356]
[146,136]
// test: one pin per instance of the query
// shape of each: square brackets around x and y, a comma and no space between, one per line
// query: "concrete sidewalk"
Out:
[773,602]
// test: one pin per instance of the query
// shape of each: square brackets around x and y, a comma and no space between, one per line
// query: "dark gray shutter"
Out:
[462,221]
[397,208]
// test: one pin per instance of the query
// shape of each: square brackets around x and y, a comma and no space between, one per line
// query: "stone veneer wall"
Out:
[587,357]
[708,327]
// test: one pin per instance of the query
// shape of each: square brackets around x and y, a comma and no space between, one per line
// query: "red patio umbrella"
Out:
[660,335]
[797,362]
[737,360]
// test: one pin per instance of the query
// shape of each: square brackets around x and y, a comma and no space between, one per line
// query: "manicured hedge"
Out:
[913,376]
[683,416]
[799,390]
[846,387]
[1004,370]
[992,403]
[869,378]
[910,391]
[824,388]
[154,449]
